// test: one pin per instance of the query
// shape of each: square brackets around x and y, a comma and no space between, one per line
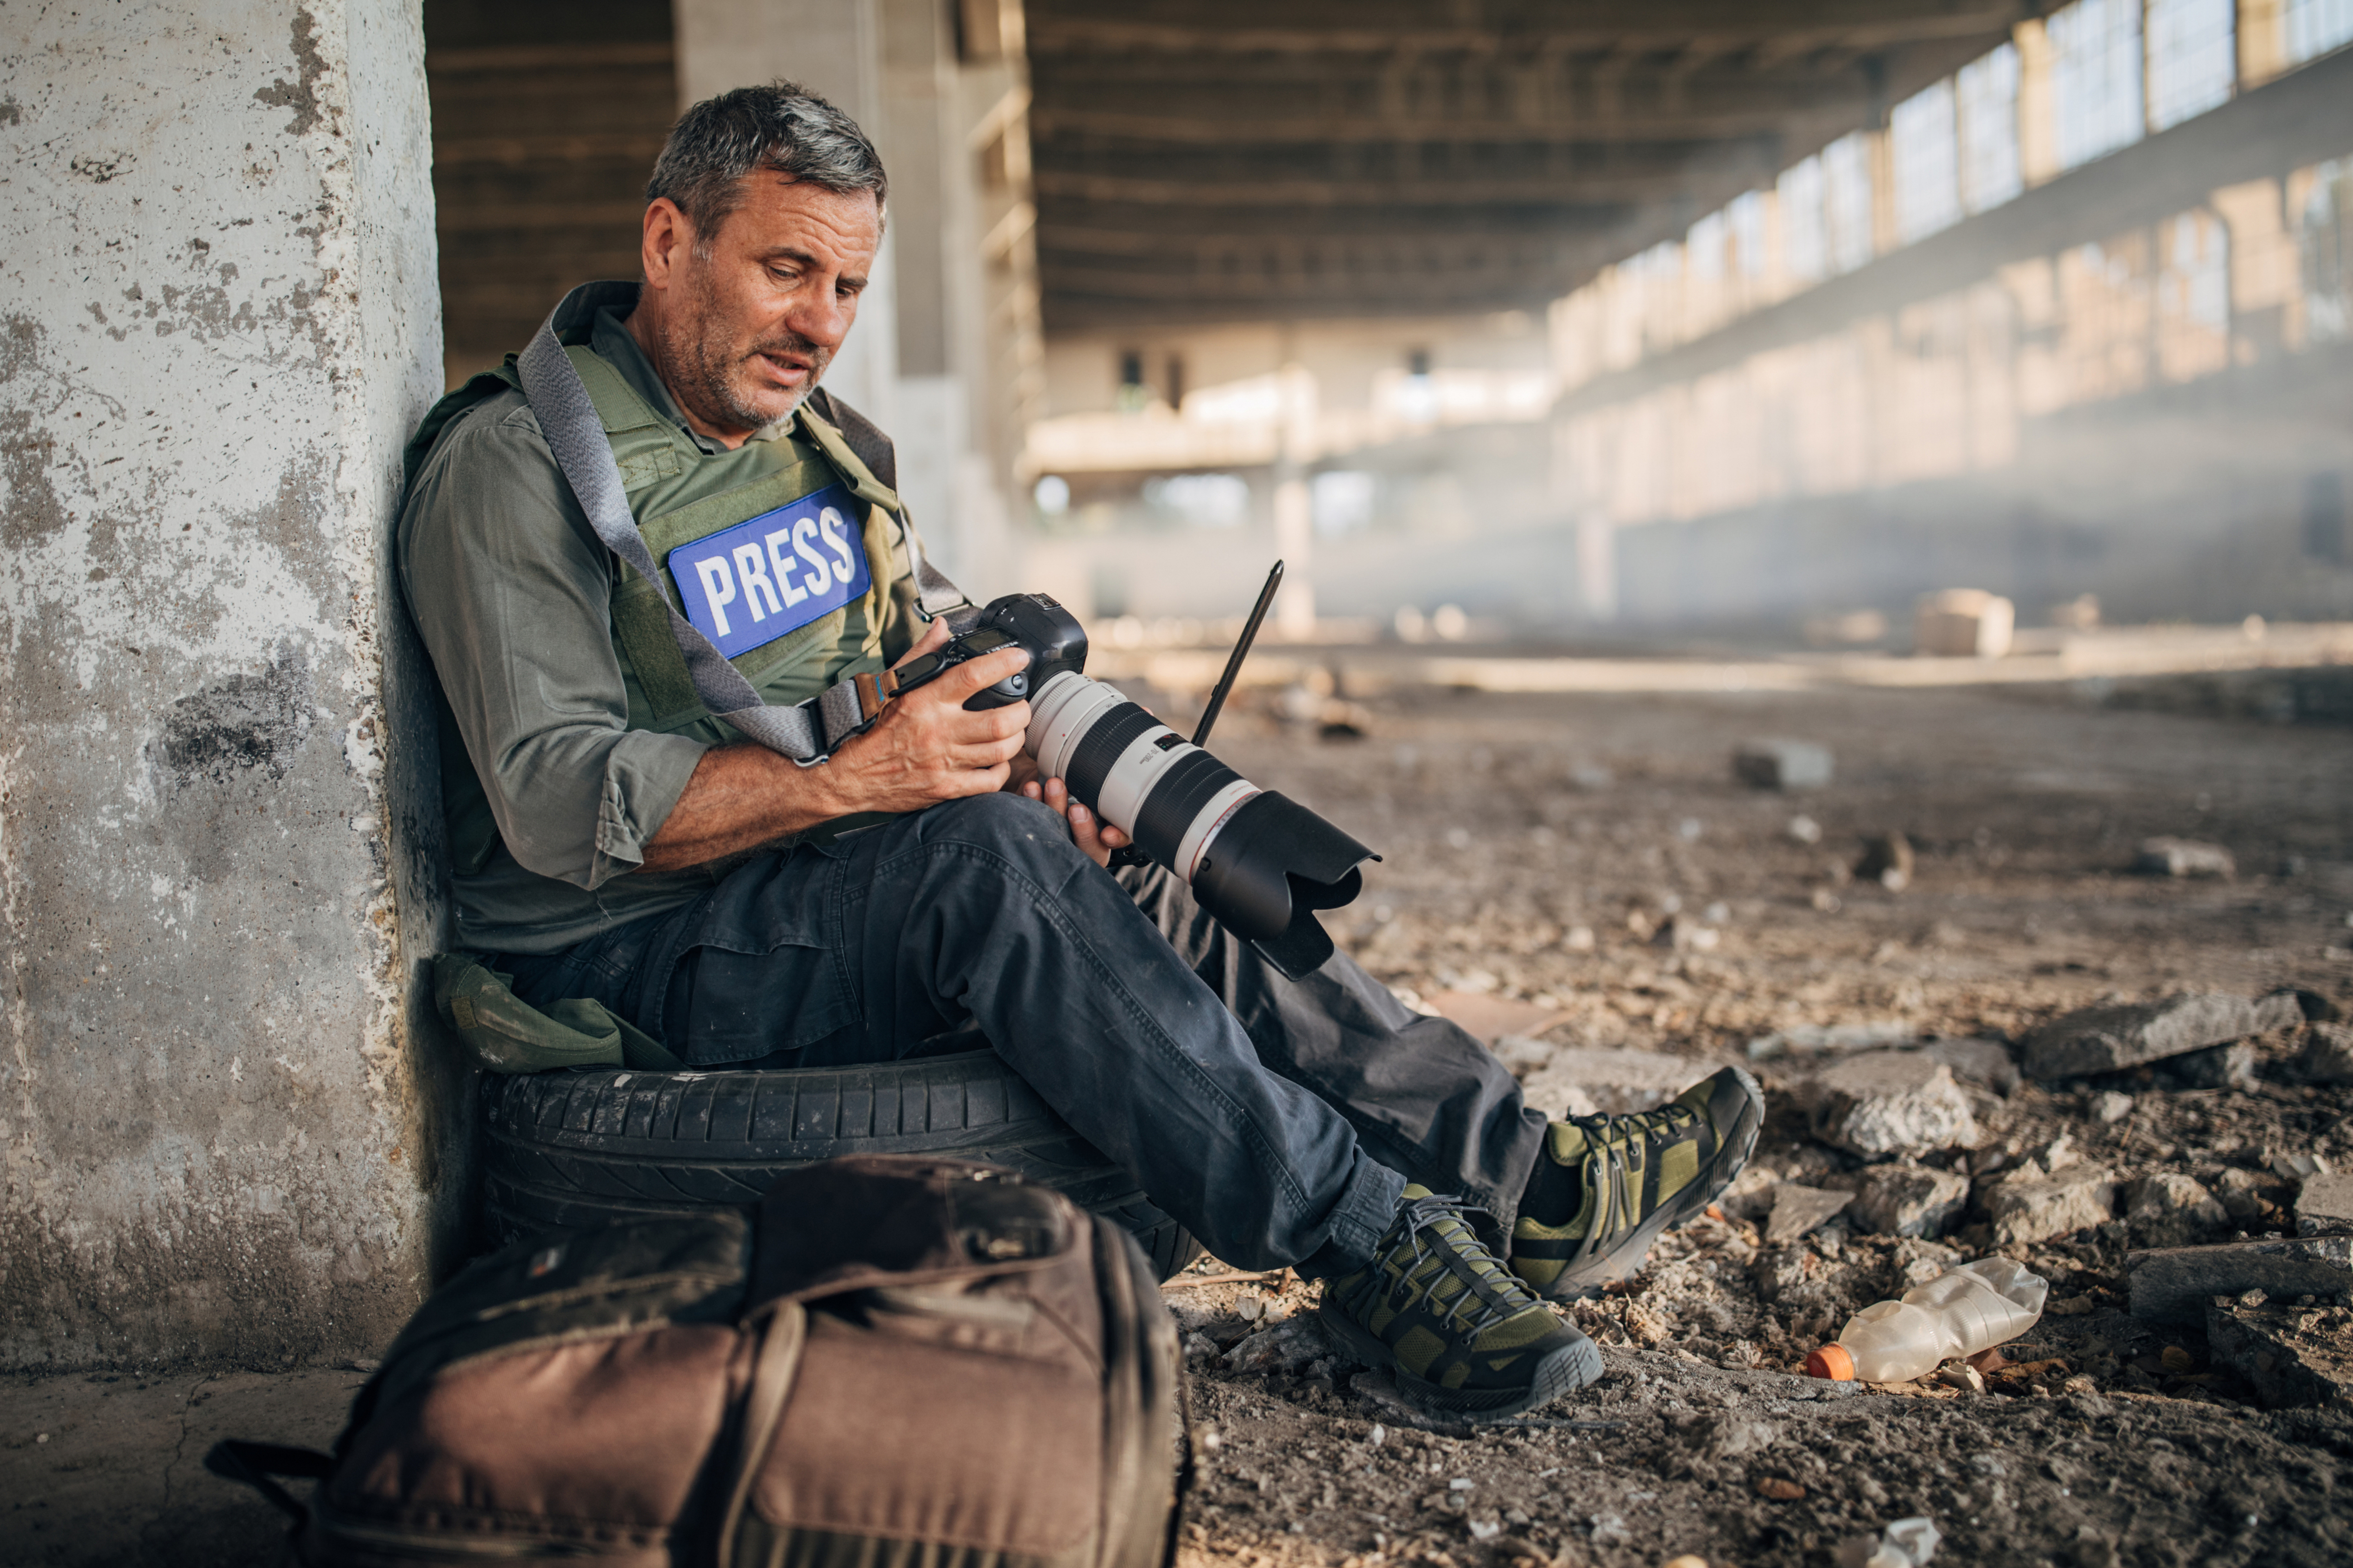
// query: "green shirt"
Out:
[512,593]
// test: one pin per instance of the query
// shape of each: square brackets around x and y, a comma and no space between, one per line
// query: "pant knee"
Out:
[1011,826]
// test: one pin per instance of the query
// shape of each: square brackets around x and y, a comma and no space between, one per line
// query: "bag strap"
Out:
[255,1463]
[807,732]
[779,1362]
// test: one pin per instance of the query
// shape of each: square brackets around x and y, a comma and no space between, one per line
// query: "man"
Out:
[615,844]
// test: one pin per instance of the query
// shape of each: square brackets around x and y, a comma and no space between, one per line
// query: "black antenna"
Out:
[1241,652]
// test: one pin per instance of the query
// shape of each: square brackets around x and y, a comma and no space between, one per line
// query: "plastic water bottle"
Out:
[1958,1313]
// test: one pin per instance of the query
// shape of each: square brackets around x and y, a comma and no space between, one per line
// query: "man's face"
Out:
[749,319]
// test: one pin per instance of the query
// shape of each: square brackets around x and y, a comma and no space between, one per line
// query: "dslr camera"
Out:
[1259,862]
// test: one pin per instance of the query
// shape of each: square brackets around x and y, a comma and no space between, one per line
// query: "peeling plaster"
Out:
[226,1116]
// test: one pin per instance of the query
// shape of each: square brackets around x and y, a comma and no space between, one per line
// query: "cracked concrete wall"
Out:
[228,1132]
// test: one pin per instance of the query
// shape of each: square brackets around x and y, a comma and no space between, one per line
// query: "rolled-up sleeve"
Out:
[512,593]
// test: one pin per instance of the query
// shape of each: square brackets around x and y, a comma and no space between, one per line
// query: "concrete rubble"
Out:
[1989,1063]
[2111,1038]
[2171,1209]
[1782,764]
[2032,1204]
[2217,1067]
[1798,1209]
[2327,1054]
[2296,1353]
[2183,858]
[2171,1285]
[1910,1200]
[2324,1204]
[1885,1104]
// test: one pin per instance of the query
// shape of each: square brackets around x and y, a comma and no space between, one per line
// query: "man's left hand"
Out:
[1094,836]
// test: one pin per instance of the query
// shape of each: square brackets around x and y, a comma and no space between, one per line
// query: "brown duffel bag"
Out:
[895,1362]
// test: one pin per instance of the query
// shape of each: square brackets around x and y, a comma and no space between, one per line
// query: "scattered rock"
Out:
[2170,1285]
[2325,1204]
[2294,1357]
[1887,860]
[2111,1108]
[2327,1056]
[1989,1063]
[1781,765]
[2030,1206]
[1685,934]
[1797,1210]
[2107,1038]
[2183,858]
[1961,1374]
[2288,1007]
[1963,623]
[1779,1488]
[1906,1543]
[1618,1082]
[1289,1345]
[2173,1210]
[1804,829]
[1910,1200]
[1883,1103]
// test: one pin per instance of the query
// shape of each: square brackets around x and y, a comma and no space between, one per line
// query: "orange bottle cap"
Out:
[1831,1362]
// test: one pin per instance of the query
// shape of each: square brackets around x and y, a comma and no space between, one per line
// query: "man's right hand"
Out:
[926,748]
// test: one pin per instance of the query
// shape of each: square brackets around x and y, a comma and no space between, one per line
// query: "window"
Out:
[1986,95]
[2193,58]
[1705,246]
[1846,202]
[2316,26]
[1805,251]
[1745,220]
[2096,79]
[1927,148]
[2324,234]
[1201,500]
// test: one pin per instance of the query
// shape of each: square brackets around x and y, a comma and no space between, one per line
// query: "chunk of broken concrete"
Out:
[1883,1103]
[1775,763]
[2183,858]
[2124,1035]
[2216,1067]
[2327,1054]
[2294,1357]
[1797,1209]
[2170,1285]
[2325,1204]
[2173,1210]
[2290,1007]
[1910,1200]
[1618,1082]
[1290,1344]
[2030,1206]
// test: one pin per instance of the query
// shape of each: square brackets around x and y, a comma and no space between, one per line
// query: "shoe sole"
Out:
[1588,1278]
[1566,1369]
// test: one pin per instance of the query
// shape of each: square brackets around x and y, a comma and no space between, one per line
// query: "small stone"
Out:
[1917,1538]
[1804,829]
[1910,1200]
[2183,858]
[2107,1038]
[1781,765]
[2029,1206]
[2297,1165]
[1797,1210]
[2111,1108]
[1287,1346]
[1685,1561]
[2171,1285]
[2176,1359]
[2171,1210]
[2324,1204]
[1887,859]
[2327,1054]
[1610,1530]
[1883,1103]
[1777,1488]
[1961,1374]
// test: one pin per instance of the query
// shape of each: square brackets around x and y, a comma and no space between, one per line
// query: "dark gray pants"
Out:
[1277,1120]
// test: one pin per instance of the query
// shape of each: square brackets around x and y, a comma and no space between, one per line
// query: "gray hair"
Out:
[782,126]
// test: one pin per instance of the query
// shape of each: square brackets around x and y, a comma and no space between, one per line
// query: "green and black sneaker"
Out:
[1463,1333]
[1606,1185]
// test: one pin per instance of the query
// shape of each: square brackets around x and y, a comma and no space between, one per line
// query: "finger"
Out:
[1032,790]
[1114,838]
[989,754]
[934,636]
[968,677]
[1084,834]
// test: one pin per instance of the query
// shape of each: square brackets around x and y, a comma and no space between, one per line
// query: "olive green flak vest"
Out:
[679,493]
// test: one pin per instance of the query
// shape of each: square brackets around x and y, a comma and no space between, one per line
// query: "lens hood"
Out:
[1270,868]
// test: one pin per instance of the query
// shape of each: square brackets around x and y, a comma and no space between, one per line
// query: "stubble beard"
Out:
[712,367]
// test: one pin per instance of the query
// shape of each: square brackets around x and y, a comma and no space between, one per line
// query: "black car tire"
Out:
[581,1145]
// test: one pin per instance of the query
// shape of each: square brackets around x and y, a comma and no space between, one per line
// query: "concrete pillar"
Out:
[833,48]
[228,1129]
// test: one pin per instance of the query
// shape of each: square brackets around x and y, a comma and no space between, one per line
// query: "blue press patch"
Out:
[749,584]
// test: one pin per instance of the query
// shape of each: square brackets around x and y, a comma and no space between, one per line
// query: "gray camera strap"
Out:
[807,732]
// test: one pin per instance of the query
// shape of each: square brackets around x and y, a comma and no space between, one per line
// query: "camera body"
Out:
[1036,622]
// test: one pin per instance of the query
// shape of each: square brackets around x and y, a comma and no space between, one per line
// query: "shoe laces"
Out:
[1496,1294]
[1611,1163]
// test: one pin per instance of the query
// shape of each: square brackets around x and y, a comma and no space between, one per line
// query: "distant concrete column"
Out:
[833,48]
[1294,514]
[228,1129]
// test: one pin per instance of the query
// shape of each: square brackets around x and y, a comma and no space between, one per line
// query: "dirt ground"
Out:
[1547,850]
